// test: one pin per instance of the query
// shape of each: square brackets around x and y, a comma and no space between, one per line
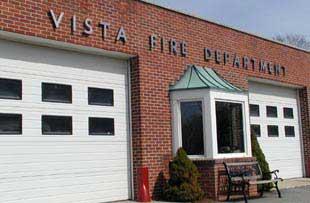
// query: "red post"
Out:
[143,185]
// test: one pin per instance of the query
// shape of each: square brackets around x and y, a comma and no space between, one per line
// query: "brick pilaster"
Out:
[304,95]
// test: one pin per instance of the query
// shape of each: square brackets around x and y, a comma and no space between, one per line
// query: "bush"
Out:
[183,184]
[258,153]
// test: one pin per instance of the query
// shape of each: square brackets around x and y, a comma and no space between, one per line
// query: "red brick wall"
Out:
[305,121]
[153,70]
[213,179]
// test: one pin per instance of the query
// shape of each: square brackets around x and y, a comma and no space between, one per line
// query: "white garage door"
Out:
[274,117]
[63,126]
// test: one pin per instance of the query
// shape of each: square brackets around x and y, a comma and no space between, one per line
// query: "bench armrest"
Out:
[275,172]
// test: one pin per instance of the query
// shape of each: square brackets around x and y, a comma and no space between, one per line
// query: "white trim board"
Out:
[38,41]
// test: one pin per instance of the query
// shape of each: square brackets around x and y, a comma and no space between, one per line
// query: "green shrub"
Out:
[258,153]
[183,184]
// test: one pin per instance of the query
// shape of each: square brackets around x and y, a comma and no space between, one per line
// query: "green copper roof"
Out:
[200,77]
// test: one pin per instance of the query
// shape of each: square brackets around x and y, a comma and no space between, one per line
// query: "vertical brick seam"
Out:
[304,95]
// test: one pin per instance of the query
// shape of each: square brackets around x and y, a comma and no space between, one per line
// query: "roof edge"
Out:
[204,78]
[223,25]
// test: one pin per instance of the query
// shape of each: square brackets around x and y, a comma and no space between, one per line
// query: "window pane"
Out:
[11,124]
[289,131]
[10,89]
[256,130]
[254,110]
[273,131]
[101,126]
[97,96]
[230,135]
[288,113]
[56,93]
[272,111]
[192,127]
[56,125]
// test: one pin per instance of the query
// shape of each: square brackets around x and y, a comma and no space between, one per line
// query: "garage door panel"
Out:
[41,169]
[283,153]
[68,168]
[66,192]
[278,152]
[102,179]
[107,149]
[57,157]
[112,81]
[46,72]
[91,197]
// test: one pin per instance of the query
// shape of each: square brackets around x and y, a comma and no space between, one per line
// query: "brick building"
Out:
[93,90]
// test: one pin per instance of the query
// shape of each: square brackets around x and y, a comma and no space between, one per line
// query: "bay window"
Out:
[229,121]
[192,127]
[211,117]
[210,123]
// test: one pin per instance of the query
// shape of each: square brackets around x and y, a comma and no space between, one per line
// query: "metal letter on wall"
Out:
[105,26]
[262,66]
[56,20]
[218,56]
[73,24]
[173,47]
[121,35]
[152,42]
[277,68]
[88,27]
[208,54]
[237,61]
[270,68]
[226,58]
[184,49]
[246,62]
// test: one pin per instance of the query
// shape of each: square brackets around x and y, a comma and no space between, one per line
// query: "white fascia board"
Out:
[38,41]
[273,82]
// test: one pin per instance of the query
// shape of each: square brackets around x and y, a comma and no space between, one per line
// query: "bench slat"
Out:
[242,163]
[258,182]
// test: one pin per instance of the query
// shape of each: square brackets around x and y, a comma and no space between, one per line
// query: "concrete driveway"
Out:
[292,195]
[293,191]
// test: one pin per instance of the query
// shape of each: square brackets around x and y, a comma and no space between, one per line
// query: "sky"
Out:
[265,18]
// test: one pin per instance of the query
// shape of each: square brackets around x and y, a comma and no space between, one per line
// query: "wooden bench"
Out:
[242,175]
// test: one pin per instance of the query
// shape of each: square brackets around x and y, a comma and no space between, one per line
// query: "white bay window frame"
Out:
[209,97]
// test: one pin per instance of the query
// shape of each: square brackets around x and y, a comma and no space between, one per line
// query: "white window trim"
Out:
[232,97]
[180,137]
[231,155]
[187,96]
[208,98]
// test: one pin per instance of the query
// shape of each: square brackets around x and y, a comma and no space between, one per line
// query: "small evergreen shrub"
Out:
[183,184]
[258,153]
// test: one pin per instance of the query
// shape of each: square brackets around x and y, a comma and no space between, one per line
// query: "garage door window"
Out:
[254,110]
[101,126]
[192,127]
[272,111]
[56,125]
[288,113]
[102,97]
[10,89]
[289,131]
[56,93]
[10,124]
[273,131]
[229,120]
[255,129]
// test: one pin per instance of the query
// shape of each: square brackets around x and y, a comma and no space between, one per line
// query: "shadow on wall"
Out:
[160,184]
